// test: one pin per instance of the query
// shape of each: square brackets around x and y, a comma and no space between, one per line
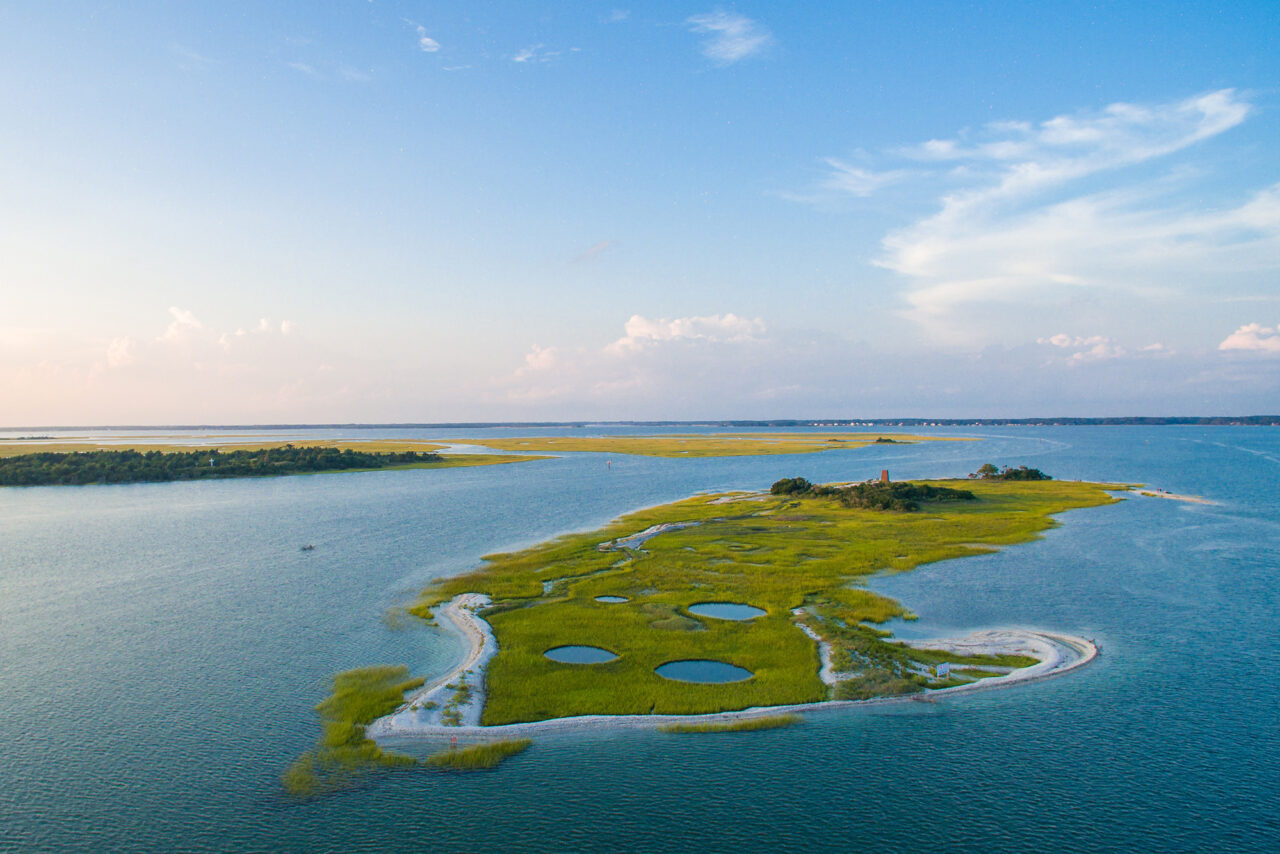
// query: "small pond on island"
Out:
[612,600]
[702,670]
[579,655]
[726,610]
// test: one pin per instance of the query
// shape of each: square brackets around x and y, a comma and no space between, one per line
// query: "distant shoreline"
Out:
[843,421]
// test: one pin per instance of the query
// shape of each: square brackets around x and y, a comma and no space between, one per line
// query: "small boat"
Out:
[308,547]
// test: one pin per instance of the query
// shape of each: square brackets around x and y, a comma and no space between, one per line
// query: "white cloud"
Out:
[286,327]
[731,37]
[425,42]
[1253,336]
[642,332]
[120,352]
[184,323]
[1092,348]
[1020,228]
[303,68]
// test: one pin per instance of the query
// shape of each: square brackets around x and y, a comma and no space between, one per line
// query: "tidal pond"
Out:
[579,654]
[702,670]
[726,610]
[612,600]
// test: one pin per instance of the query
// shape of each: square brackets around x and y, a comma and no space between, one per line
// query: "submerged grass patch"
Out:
[478,756]
[343,753]
[778,552]
[744,725]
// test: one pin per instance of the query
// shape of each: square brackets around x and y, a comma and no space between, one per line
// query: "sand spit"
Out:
[1160,493]
[427,705]
[1058,654]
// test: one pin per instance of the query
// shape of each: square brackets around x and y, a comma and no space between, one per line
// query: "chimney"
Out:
[884,475]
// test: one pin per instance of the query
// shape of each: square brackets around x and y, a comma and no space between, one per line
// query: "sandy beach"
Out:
[1057,654]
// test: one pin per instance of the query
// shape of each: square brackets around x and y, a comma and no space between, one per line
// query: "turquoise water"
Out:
[161,648]
[726,611]
[580,654]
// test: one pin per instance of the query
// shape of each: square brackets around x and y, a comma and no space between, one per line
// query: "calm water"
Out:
[726,611]
[580,654]
[161,648]
[702,670]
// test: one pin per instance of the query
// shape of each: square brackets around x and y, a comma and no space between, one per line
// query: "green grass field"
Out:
[703,445]
[777,553]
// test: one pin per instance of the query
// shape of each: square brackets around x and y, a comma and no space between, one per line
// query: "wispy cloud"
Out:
[303,68]
[1022,226]
[847,178]
[539,53]
[593,251]
[730,37]
[426,43]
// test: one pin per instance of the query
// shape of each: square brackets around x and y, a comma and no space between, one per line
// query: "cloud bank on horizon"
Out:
[781,216]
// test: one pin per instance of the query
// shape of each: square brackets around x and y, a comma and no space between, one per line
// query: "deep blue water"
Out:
[162,646]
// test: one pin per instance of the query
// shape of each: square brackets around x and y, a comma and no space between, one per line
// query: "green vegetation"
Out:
[904,497]
[805,551]
[478,756]
[44,468]
[744,725]
[988,471]
[705,444]
[343,753]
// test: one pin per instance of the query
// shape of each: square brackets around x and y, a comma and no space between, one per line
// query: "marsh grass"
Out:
[478,756]
[744,725]
[777,553]
[705,445]
[343,753]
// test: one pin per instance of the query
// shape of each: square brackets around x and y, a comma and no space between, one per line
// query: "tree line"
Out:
[130,466]
[900,496]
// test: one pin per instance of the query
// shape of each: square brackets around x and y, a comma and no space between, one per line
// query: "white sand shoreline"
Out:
[1058,654]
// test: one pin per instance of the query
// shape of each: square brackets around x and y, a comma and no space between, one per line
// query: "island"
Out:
[706,444]
[727,611]
[70,464]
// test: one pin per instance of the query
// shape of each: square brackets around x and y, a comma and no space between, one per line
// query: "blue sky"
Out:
[402,211]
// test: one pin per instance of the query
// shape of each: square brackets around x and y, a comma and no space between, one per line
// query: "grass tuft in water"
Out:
[744,725]
[343,753]
[478,756]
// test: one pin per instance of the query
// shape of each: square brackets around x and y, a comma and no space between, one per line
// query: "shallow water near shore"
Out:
[163,646]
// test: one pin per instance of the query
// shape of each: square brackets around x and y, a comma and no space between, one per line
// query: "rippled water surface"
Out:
[162,647]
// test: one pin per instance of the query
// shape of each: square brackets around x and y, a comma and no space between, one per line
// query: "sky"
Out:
[375,211]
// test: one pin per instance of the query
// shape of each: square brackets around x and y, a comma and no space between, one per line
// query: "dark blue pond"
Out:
[702,670]
[579,655]
[726,611]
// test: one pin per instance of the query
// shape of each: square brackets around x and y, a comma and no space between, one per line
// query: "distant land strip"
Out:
[69,465]
[843,421]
